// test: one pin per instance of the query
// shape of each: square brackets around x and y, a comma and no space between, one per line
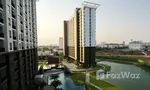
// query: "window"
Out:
[9,34]
[9,21]
[10,46]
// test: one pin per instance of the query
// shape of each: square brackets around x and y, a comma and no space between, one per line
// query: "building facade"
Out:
[136,45]
[18,44]
[79,35]
[60,42]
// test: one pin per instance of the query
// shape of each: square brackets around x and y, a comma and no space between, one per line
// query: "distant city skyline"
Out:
[117,20]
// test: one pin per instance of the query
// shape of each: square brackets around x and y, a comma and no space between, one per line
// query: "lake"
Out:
[137,79]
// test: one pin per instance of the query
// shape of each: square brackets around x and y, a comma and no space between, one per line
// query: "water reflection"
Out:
[55,83]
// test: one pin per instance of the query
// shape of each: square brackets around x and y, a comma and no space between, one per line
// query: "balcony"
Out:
[1,6]
[15,48]
[13,26]
[1,20]
[26,11]
[12,3]
[2,49]
[21,29]
[20,5]
[13,14]
[14,37]
[21,22]
[1,34]
[22,39]
[21,13]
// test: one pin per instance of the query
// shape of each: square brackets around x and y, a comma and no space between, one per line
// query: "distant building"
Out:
[60,42]
[136,45]
[112,45]
[123,42]
[53,60]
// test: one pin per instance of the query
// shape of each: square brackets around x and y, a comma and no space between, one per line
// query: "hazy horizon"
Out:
[116,20]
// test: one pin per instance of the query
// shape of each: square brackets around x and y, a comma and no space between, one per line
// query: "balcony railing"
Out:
[2,49]
[2,34]
[1,5]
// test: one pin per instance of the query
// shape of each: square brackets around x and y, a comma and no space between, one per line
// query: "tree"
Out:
[45,48]
[56,82]
[41,56]
[61,56]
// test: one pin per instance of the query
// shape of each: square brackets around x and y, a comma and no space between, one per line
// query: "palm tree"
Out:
[55,82]
[61,58]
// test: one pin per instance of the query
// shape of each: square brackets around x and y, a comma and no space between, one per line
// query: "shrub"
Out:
[141,62]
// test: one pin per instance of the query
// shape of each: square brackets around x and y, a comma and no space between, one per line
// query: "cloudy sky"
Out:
[116,20]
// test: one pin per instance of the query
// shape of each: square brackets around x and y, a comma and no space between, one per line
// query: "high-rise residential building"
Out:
[79,35]
[18,44]
[60,42]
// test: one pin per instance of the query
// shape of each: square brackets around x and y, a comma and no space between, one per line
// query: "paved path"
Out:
[72,66]
[87,79]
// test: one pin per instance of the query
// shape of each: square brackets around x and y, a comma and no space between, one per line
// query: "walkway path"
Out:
[72,66]
[87,79]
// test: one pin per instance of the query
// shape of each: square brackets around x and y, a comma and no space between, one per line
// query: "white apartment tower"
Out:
[60,42]
[18,29]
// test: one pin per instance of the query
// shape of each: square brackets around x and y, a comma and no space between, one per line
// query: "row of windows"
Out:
[21,46]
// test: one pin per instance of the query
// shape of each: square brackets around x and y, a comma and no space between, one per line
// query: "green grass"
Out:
[42,63]
[102,84]
[118,58]
[90,87]
[102,66]
[79,78]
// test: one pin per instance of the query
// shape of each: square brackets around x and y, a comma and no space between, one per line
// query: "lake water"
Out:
[67,82]
[131,83]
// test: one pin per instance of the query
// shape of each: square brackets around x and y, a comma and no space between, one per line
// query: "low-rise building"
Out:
[112,45]
[139,45]
[136,45]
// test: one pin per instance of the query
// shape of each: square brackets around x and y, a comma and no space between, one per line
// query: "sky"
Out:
[116,20]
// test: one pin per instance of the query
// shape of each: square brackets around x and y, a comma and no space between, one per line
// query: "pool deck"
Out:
[72,66]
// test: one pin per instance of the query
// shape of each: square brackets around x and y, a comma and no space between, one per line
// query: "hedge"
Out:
[119,58]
